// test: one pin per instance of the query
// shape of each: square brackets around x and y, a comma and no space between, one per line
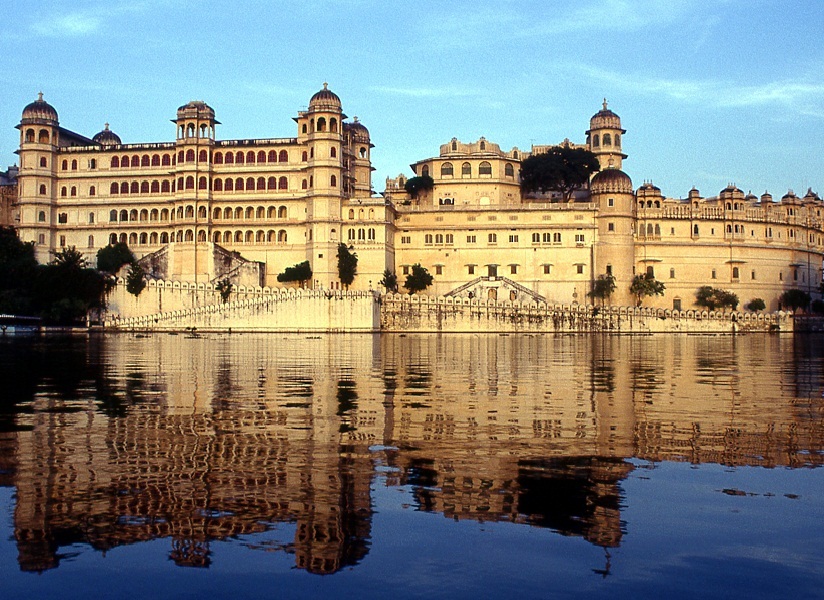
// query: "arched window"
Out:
[133,215]
[333,125]
[216,237]
[261,183]
[218,158]
[179,212]
[230,185]
[282,235]
[362,234]
[180,156]
[155,187]
[260,213]
[164,238]
[201,212]
[124,188]
[190,212]
[303,184]
[362,152]
[271,212]
[370,234]
[304,157]
[607,140]
[466,169]
[250,157]
[509,170]
[260,236]
[201,183]
[190,155]
[657,229]
[190,182]
[203,156]
[230,158]
[124,161]
[238,213]
[91,217]
[190,236]
[250,212]
[144,215]
[123,238]
[282,212]
[144,238]
[153,239]
[250,236]
[153,215]
[113,239]
[596,141]
[145,161]
[43,188]
[321,124]
[735,273]
[30,136]
[216,213]
[649,229]
[239,158]
[351,213]
[134,188]
[350,234]
[250,184]
[273,156]
[227,236]
[164,214]
[283,183]
[164,186]
[144,187]
[485,168]
[135,161]
[333,181]
[132,239]
[617,140]
[333,153]
[227,213]
[283,156]
[115,162]
[114,189]
[261,157]
[217,185]
[425,171]
[695,230]
[272,183]
[41,216]
[64,165]
[446,170]
[166,160]
[155,160]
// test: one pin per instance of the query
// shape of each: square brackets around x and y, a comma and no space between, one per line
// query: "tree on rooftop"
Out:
[415,185]
[562,169]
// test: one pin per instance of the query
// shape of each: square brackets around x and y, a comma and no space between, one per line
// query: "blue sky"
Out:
[710,92]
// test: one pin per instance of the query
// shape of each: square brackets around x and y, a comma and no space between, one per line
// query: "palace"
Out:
[203,209]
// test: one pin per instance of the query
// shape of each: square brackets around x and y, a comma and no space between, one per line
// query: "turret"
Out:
[604,138]
[614,253]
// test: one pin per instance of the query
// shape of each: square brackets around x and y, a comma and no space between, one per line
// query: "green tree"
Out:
[389,281]
[65,290]
[111,258]
[645,285]
[756,304]
[18,269]
[224,286]
[135,280]
[602,287]
[418,279]
[562,169]
[301,272]
[794,299]
[415,185]
[347,265]
[713,298]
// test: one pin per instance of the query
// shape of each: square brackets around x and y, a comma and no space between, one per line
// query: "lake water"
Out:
[417,466]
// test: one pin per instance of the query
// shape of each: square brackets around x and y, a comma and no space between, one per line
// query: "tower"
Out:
[37,188]
[615,250]
[604,138]
[320,132]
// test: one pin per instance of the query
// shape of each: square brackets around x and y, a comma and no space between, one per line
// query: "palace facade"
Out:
[199,208]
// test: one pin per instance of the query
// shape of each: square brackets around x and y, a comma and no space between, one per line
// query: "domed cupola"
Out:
[357,130]
[325,99]
[196,109]
[107,137]
[611,180]
[604,138]
[39,112]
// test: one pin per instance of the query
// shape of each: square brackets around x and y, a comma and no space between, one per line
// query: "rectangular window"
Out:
[609,269]
[610,226]
[470,239]
[427,239]
[713,273]
[611,202]
[406,239]
[579,268]
[513,269]
[63,241]
[513,239]
[753,274]
[470,269]
[406,269]
[450,239]
[438,269]
[672,273]
[536,238]
[547,269]
[493,238]
[63,218]
[579,238]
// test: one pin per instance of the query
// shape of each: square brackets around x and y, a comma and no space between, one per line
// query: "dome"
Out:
[325,99]
[358,130]
[611,180]
[39,111]
[107,137]
[196,109]
[605,119]
[789,197]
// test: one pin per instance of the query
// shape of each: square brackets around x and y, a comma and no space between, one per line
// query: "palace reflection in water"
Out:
[114,440]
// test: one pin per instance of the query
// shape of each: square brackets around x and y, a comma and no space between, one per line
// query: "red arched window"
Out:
[304,156]
[333,181]
[144,187]
[124,161]
[124,188]
[272,184]
[261,157]
[155,160]
[190,155]
[155,186]
[180,183]
[165,161]
[135,188]
[304,184]
[239,184]
[190,182]
[218,185]
[333,152]
[273,156]
[201,183]
[164,186]
[180,156]
[135,161]
[261,183]
[239,158]
[115,162]
[230,158]
[250,183]
[114,189]
[218,158]
[230,185]
[144,160]
[250,157]
[203,156]
[284,156]
[283,183]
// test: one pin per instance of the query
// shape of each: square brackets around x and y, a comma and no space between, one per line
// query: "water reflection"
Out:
[114,440]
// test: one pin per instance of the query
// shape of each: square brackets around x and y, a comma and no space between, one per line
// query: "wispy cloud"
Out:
[801,94]
[83,22]
[427,92]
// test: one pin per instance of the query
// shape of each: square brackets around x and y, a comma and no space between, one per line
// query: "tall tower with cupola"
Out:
[320,133]
[39,140]
[360,168]
[604,138]
[612,193]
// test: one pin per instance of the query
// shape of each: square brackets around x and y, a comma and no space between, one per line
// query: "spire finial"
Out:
[106,126]
[325,85]
[605,103]
[40,96]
